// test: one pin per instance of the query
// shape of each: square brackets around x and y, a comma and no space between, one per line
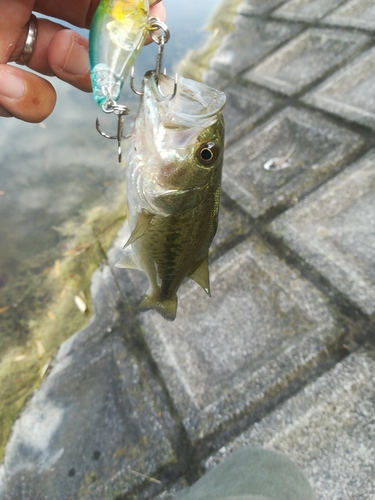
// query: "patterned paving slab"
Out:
[334,231]
[237,53]
[316,147]
[305,59]
[355,13]
[233,224]
[223,357]
[349,93]
[215,79]
[258,6]
[328,429]
[245,106]
[306,10]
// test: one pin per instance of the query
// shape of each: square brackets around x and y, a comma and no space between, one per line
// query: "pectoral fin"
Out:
[201,275]
[143,221]
[128,260]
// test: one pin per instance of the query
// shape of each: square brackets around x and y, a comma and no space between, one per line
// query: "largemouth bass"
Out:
[173,178]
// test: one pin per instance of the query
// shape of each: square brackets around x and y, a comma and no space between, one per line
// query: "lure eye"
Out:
[207,154]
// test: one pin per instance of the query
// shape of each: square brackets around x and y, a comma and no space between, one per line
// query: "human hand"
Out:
[57,51]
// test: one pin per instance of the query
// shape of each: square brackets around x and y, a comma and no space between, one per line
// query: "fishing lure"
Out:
[117,35]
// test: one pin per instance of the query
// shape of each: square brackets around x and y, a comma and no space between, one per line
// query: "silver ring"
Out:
[154,25]
[30,41]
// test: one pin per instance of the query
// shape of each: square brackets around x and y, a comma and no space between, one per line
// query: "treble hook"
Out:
[141,93]
[120,111]
[159,58]
[174,88]
[155,25]
[132,83]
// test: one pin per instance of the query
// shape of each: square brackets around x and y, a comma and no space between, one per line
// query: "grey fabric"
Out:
[251,474]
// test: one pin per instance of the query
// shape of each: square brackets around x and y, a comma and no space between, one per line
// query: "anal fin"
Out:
[128,260]
[143,221]
[201,276]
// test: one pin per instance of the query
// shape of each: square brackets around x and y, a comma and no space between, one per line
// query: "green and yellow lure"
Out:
[117,35]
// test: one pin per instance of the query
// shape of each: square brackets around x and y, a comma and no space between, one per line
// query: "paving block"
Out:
[238,52]
[306,10]
[328,429]
[355,13]
[316,147]
[244,107]
[92,429]
[215,79]
[228,355]
[232,225]
[257,6]
[334,231]
[305,59]
[349,93]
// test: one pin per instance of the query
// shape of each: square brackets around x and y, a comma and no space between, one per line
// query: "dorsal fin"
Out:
[143,221]
[128,260]
[201,275]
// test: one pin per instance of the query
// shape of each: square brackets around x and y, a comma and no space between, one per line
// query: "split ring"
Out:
[155,25]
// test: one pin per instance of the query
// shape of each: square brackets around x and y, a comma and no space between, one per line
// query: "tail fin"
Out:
[166,308]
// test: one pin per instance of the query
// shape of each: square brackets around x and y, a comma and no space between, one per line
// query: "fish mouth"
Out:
[190,102]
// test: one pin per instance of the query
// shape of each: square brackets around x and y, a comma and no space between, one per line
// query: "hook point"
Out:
[137,92]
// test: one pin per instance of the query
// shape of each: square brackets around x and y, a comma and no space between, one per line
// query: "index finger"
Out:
[77,13]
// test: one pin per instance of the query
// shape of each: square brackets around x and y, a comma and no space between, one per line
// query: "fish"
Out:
[173,184]
[117,35]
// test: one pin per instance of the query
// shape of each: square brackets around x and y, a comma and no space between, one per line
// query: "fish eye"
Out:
[207,153]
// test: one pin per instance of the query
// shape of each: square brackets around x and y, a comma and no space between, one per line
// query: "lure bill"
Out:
[173,177]
[117,35]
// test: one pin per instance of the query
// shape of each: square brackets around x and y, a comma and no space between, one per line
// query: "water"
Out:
[61,202]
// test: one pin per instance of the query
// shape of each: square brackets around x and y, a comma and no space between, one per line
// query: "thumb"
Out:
[24,95]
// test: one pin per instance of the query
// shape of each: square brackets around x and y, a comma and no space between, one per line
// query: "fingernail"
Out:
[77,60]
[10,85]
